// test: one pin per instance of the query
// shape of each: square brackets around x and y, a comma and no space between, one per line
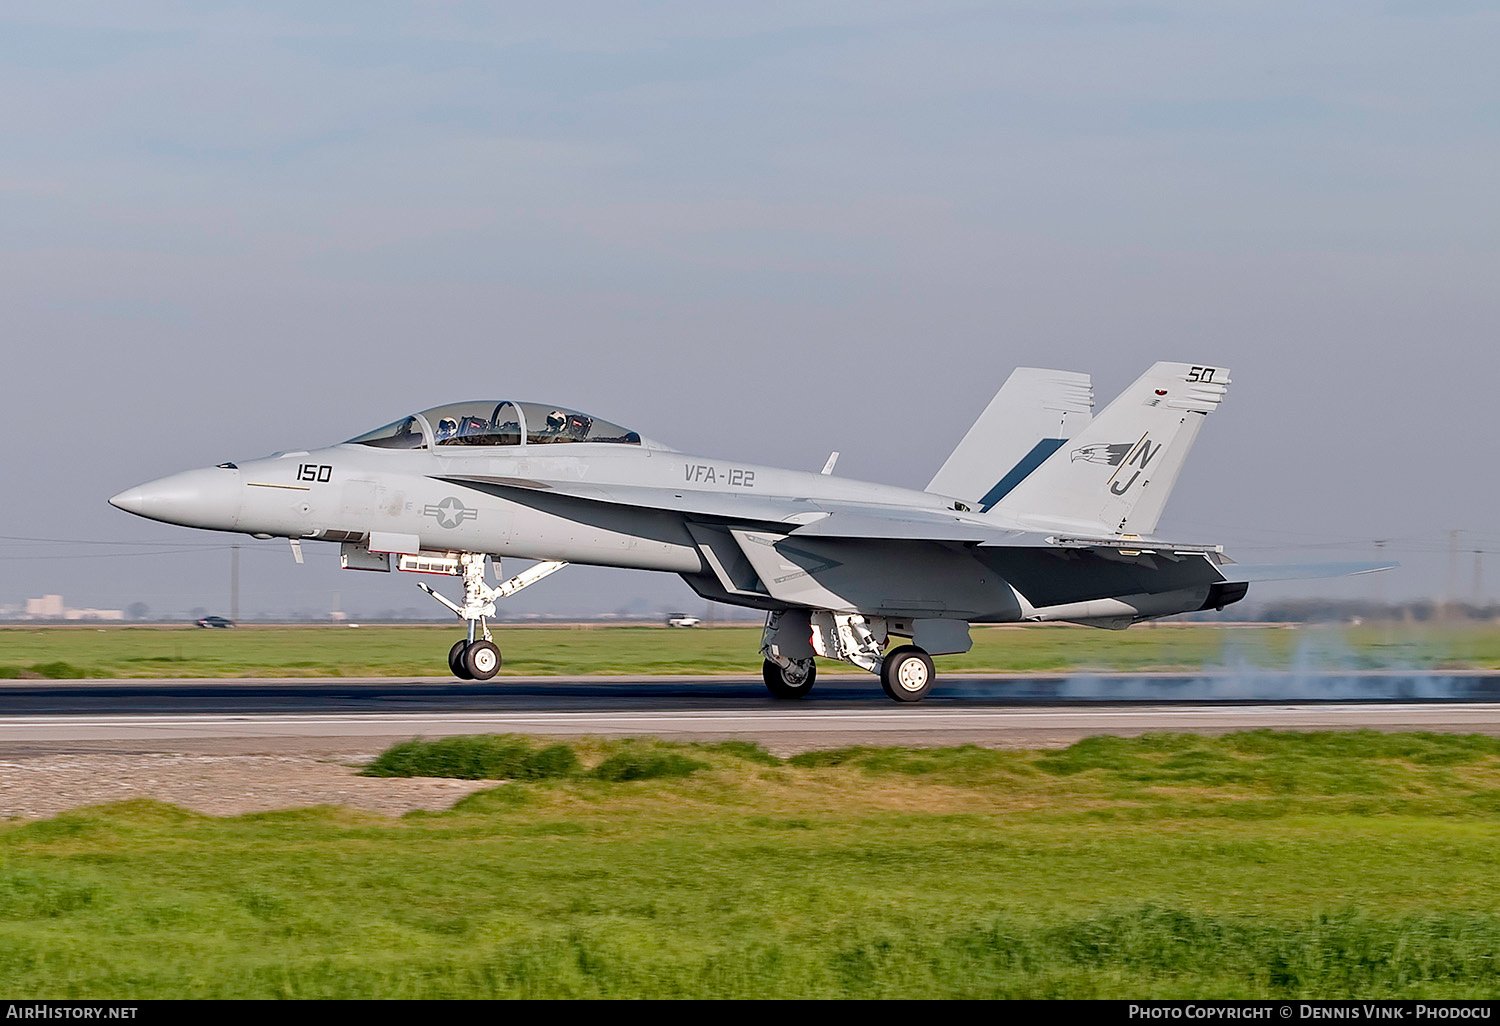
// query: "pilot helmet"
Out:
[447,427]
[556,420]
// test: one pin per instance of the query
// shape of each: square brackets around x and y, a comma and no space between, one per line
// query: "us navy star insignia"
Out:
[450,512]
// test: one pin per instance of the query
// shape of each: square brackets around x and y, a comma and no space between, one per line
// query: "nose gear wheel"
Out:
[482,660]
[456,659]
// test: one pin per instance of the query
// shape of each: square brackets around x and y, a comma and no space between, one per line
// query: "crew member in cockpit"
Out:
[446,428]
[563,426]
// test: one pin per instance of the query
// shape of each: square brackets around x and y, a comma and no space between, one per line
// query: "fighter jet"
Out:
[1042,513]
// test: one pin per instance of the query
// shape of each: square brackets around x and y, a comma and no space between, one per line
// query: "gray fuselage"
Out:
[731,539]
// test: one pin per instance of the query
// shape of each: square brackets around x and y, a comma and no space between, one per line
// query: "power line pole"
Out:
[1379,576]
[1452,598]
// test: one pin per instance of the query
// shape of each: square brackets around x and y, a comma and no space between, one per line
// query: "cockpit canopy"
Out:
[495,422]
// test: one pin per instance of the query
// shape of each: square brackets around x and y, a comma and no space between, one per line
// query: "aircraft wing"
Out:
[898,560]
[831,519]
[849,520]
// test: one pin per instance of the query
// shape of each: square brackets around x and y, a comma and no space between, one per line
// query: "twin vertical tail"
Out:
[1114,476]
[1035,412]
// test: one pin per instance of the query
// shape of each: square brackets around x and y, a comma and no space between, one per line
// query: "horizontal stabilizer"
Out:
[1250,572]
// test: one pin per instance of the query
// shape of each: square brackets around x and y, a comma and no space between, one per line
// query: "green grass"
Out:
[1251,865]
[483,757]
[491,757]
[420,651]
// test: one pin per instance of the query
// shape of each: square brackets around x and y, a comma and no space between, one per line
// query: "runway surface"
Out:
[38,717]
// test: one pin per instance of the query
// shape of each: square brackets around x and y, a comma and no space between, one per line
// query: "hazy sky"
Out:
[762,231]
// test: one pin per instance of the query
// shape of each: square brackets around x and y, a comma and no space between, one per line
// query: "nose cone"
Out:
[198,498]
[131,500]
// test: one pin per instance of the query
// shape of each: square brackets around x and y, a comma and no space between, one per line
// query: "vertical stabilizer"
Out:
[1032,415]
[1115,475]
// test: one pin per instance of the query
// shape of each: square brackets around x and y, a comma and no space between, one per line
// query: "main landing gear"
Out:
[906,674]
[476,656]
[794,637]
[793,680]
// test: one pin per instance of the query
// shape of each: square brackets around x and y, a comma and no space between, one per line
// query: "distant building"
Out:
[93,614]
[48,606]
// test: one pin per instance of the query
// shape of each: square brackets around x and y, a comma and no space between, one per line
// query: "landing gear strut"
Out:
[477,657]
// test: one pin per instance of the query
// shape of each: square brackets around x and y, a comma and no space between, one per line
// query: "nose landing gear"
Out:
[474,660]
[481,659]
[477,657]
[456,660]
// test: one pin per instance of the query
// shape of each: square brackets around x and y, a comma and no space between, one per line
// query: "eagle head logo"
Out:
[1107,454]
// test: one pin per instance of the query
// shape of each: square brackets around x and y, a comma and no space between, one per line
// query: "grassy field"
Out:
[1250,865]
[421,651]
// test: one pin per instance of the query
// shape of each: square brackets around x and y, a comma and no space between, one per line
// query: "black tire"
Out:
[780,687]
[482,660]
[456,660]
[906,674]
